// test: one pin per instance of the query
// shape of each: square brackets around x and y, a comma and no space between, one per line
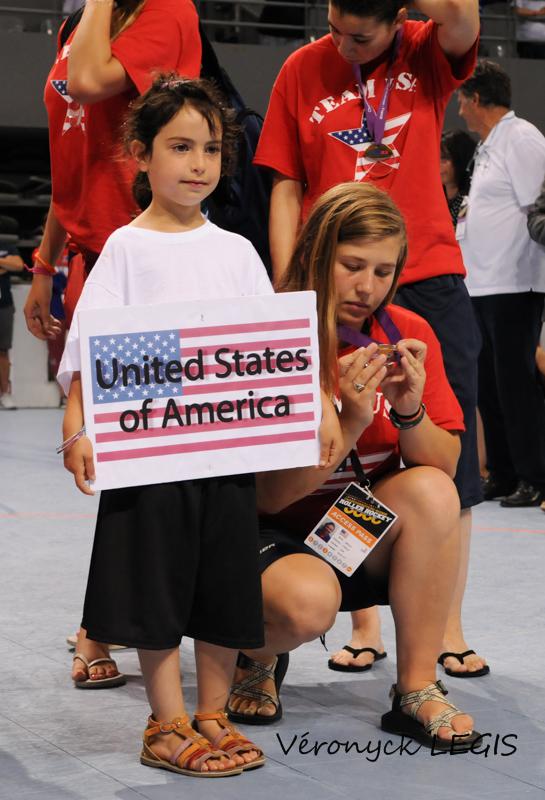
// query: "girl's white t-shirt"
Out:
[144,267]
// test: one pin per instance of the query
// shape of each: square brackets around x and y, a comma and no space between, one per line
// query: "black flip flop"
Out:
[246,689]
[355,653]
[478,673]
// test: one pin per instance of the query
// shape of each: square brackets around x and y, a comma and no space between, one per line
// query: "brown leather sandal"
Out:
[230,740]
[189,757]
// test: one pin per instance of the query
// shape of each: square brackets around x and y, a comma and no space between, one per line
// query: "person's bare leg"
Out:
[540,360]
[161,671]
[422,557]
[91,650]
[453,640]
[365,633]
[481,447]
[4,372]
[215,671]
[301,598]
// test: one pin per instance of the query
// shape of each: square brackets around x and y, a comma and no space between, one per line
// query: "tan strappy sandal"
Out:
[230,740]
[98,683]
[406,724]
[189,757]
[249,688]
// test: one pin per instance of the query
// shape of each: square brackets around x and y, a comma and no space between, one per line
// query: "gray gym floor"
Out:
[59,743]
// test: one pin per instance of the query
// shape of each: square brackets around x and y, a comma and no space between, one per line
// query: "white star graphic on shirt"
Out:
[359,139]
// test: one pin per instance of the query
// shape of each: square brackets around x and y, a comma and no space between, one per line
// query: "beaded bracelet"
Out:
[62,448]
[50,269]
[404,422]
[38,270]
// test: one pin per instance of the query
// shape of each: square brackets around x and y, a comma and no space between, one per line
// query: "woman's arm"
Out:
[78,459]
[528,12]
[37,307]
[281,488]
[536,218]
[11,263]
[93,72]
[429,445]
[284,218]
[458,22]
[426,444]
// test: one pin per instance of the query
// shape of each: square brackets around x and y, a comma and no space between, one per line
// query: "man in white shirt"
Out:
[530,15]
[506,280]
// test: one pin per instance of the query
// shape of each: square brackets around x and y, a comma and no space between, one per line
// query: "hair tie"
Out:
[173,83]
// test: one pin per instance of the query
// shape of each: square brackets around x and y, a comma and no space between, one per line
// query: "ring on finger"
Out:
[359,387]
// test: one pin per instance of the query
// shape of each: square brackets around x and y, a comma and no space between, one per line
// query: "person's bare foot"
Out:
[472,663]
[211,728]
[246,705]
[461,723]
[165,745]
[91,650]
[358,641]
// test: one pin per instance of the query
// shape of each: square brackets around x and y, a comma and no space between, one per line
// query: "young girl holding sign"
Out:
[159,570]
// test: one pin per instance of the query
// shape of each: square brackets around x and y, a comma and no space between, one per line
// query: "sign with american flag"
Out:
[198,389]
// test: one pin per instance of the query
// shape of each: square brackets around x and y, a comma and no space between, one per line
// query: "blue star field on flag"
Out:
[356,138]
[60,87]
[75,112]
[144,351]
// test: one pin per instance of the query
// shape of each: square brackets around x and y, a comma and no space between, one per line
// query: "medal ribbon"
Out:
[359,339]
[376,120]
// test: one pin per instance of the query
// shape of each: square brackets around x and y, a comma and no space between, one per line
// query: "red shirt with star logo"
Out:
[92,181]
[378,447]
[314,132]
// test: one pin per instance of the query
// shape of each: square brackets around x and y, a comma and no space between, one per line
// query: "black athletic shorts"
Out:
[361,590]
[445,303]
[6,327]
[176,559]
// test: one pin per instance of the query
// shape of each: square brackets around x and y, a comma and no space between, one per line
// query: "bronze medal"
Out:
[378,152]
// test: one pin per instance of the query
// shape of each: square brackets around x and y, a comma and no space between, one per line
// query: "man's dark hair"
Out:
[381,10]
[491,82]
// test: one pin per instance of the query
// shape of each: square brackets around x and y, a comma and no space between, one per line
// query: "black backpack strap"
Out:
[68,26]
[210,66]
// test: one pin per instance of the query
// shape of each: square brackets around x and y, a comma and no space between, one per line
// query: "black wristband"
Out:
[404,423]
[407,416]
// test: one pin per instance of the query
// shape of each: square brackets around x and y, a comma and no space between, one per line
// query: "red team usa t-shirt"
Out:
[313,133]
[378,446]
[91,180]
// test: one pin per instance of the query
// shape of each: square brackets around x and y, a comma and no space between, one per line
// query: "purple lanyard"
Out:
[359,339]
[376,120]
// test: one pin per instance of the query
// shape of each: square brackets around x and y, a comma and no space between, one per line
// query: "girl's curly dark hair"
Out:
[154,109]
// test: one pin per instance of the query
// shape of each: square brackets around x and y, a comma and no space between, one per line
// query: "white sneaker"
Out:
[6,402]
